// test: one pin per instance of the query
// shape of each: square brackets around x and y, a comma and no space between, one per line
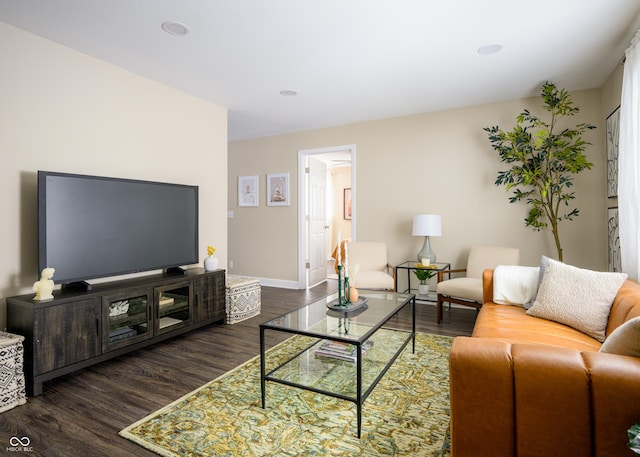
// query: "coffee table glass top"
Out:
[337,353]
[316,319]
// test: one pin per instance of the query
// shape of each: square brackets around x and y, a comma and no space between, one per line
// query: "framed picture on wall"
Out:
[278,189]
[613,137]
[347,203]
[248,190]
[615,262]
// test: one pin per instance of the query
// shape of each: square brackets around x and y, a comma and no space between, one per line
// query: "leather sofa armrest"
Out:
[615,390]
[481,396]
[487,286]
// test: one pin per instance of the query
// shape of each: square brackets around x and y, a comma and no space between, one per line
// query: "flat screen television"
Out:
[93,227]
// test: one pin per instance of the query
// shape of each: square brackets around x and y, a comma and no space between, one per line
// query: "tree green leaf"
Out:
[543,162]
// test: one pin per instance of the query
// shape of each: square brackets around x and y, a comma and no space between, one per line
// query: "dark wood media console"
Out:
[75,330]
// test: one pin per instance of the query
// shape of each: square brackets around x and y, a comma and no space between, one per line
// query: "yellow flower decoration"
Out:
[210,250]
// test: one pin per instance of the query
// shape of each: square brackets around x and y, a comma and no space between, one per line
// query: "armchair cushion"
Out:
[576,297]
[369,255]
[368,265]
[374,280]
[466,288]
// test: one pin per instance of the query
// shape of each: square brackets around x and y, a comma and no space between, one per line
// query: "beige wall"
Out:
[439,163]
[65,111]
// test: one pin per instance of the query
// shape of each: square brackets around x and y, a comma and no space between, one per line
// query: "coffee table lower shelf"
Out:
[350,380]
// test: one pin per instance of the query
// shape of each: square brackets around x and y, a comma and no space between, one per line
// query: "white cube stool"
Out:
[12,385]
[243,298]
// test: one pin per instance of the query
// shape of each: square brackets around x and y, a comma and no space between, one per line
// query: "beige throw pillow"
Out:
[576,297]
[625,340]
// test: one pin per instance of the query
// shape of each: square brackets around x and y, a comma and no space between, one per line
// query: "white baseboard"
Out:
[281,283]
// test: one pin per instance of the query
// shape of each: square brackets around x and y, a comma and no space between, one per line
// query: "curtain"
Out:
[629,162]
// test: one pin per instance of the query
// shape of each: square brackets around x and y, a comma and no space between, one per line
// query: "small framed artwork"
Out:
[613,137]
[615,262]
[347,203]
[278,189]
[248,190]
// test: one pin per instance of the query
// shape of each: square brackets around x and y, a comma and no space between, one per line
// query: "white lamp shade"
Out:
[427,225]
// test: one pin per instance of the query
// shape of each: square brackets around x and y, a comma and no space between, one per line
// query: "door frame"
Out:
[302,199]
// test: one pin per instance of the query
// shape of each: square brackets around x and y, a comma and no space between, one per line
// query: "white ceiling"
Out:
[349,60]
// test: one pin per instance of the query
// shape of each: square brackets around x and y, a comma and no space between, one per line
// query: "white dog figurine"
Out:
[44,287]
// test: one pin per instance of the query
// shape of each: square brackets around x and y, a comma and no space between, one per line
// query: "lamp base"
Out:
[426,252]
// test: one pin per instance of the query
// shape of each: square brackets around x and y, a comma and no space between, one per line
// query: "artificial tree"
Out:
[544,159]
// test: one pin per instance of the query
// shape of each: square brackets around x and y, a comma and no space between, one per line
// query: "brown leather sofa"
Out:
[524,386]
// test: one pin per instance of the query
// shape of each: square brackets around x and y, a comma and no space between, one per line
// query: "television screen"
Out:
[92,227]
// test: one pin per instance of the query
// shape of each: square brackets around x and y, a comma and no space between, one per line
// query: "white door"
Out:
[317,211]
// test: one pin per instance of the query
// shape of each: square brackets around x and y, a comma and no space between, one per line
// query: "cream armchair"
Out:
[372,267]
[467,290]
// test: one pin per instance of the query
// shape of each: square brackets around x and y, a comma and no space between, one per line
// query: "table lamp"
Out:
[427,225]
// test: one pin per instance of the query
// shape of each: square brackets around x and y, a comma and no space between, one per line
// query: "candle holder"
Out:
[343,288]
[347,291]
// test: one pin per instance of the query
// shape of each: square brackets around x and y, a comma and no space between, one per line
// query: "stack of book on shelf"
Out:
[165,301]
[341,351]
[121,333]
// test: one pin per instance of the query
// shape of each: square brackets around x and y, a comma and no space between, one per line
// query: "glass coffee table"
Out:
[340,353]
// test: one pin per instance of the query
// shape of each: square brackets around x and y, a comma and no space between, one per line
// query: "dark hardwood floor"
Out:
[80,414]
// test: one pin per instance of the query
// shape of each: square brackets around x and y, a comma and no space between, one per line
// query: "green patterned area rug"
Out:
[407,414]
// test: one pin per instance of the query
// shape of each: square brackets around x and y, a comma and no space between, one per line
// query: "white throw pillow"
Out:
[625,340]
[576,297]
[514,284]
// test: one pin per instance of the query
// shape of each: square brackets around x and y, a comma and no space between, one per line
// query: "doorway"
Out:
[321,212]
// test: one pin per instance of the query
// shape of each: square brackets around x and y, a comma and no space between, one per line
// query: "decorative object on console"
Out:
[44,287]
[427,225]
[210,262]
[118,308]
[543,161]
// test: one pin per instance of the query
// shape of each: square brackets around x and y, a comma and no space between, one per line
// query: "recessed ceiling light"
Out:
[288,92]
[175,28]
[489,49]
